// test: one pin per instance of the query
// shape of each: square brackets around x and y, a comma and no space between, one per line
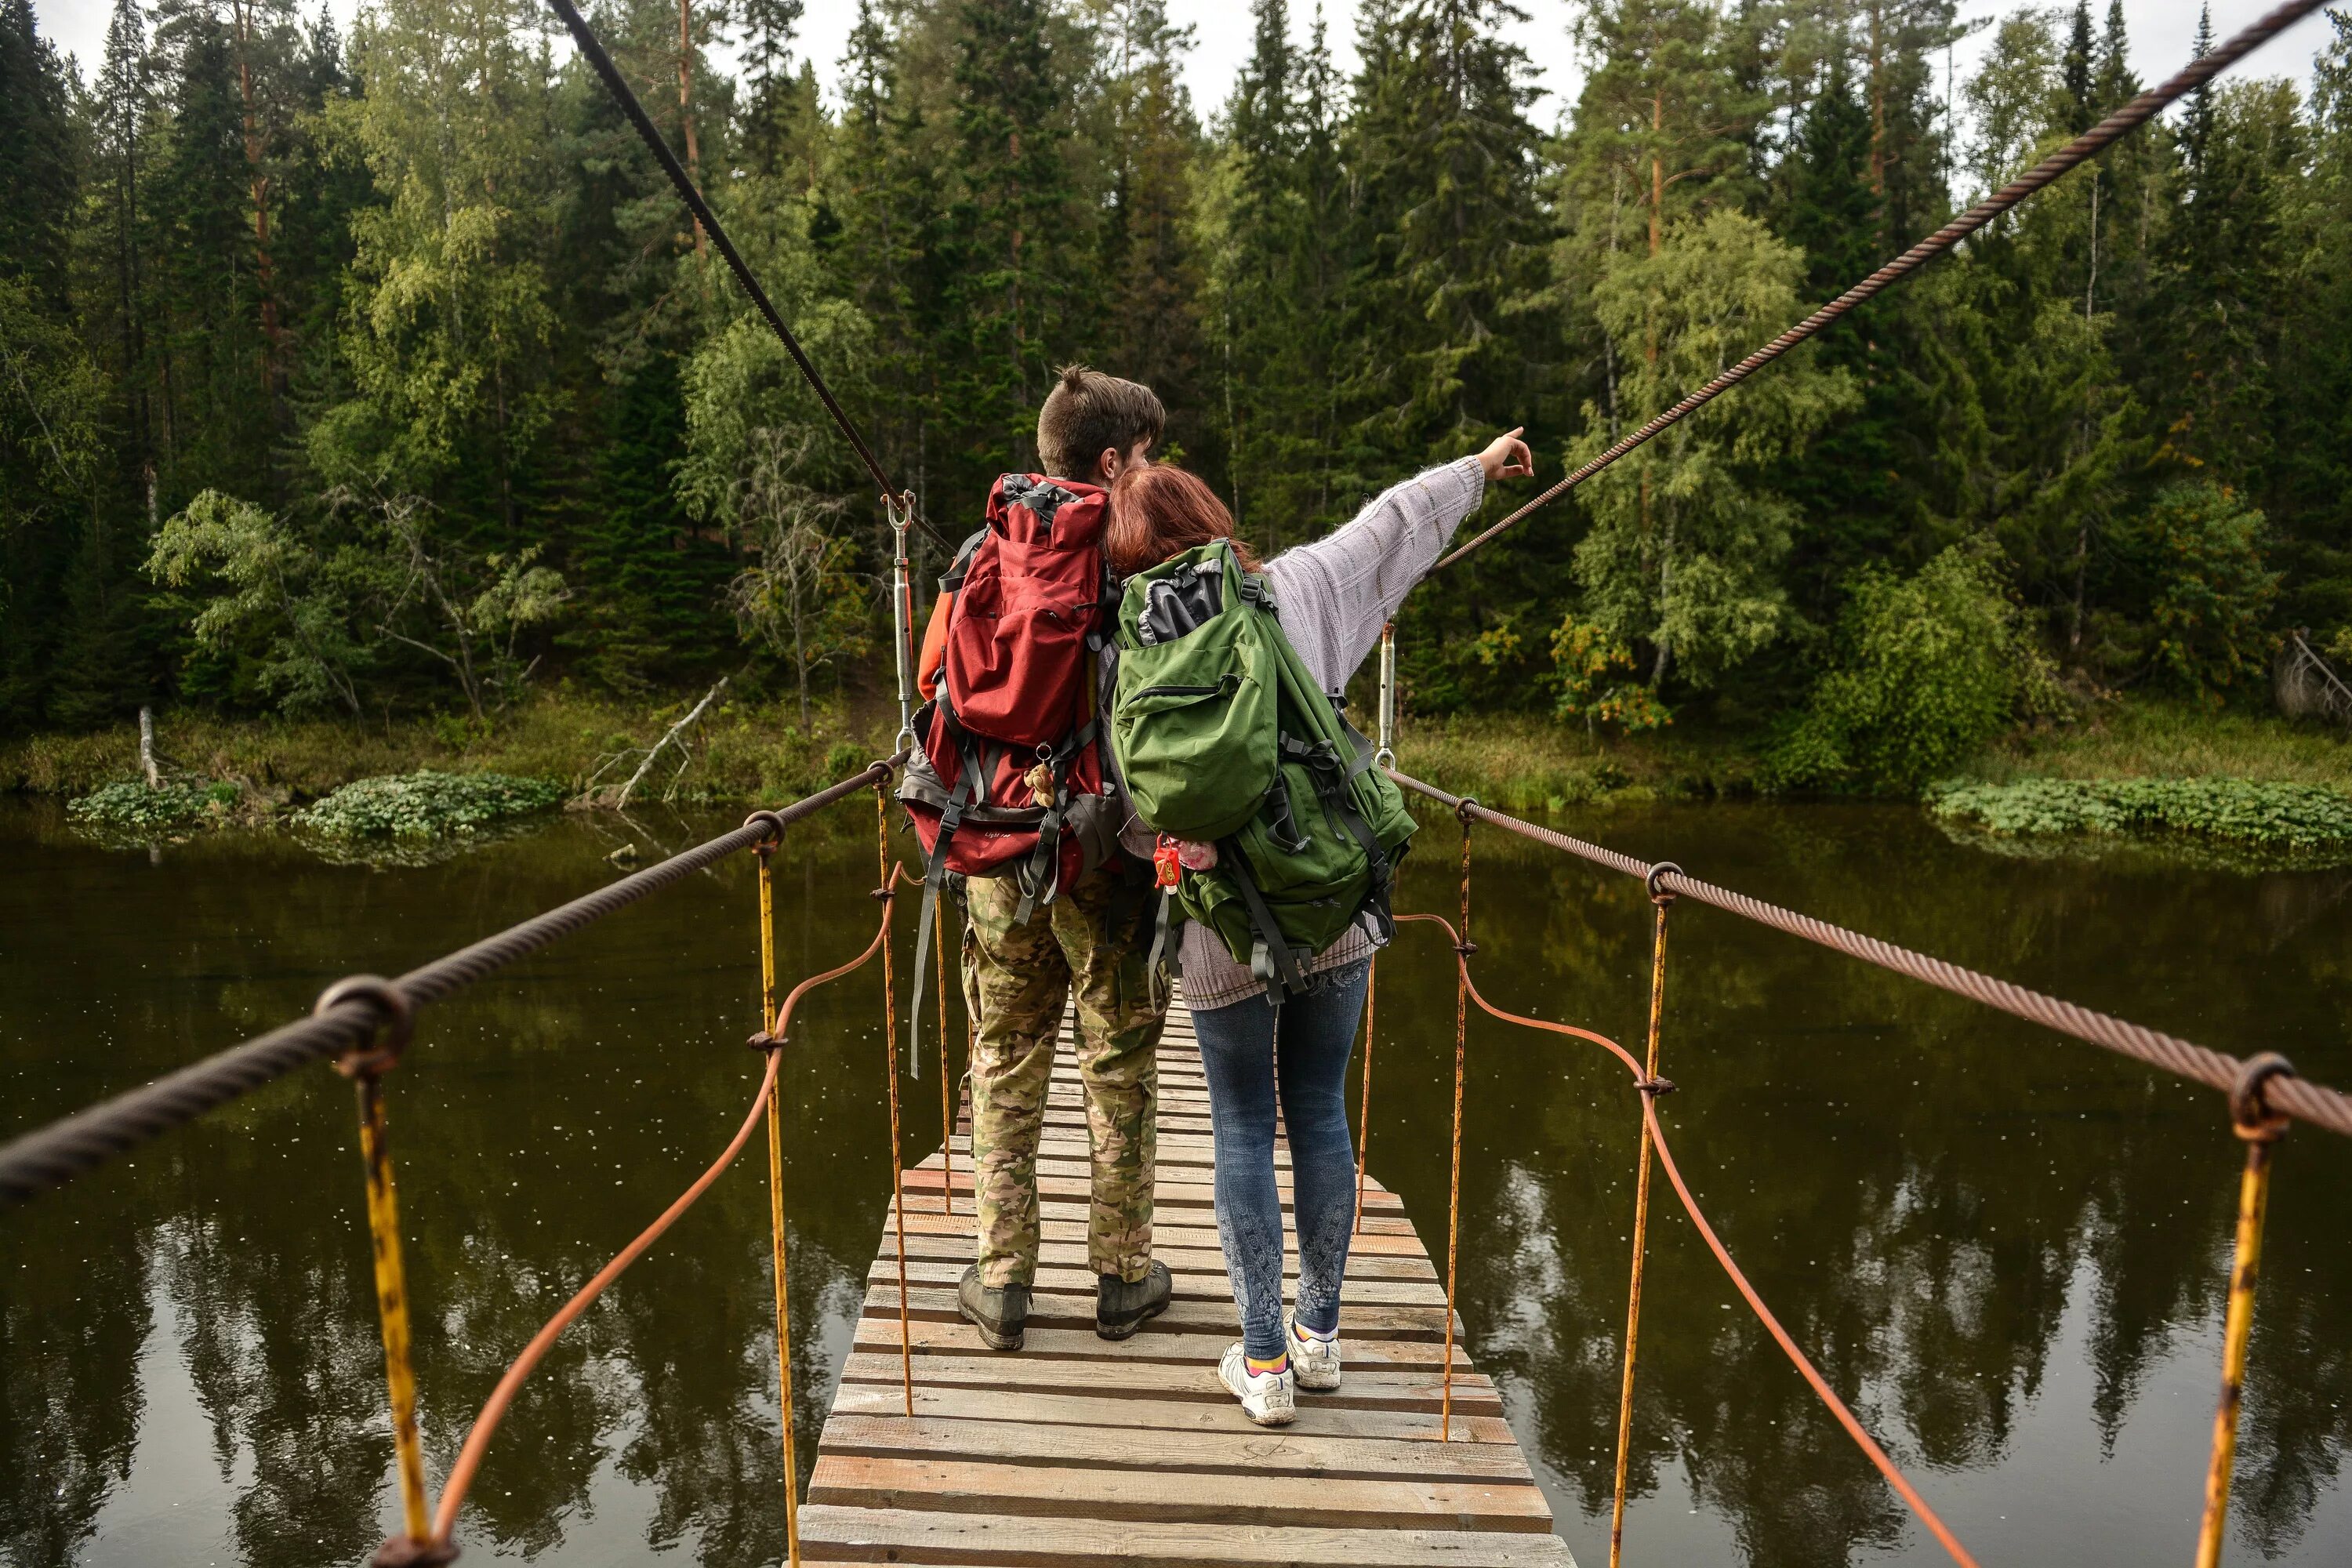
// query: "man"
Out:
[1093,937]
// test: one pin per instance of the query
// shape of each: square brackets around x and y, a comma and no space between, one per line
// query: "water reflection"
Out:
[2007,1249]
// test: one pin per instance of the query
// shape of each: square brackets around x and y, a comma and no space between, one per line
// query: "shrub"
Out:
[426,805]
[2291,816]
[1926,669]
[130,807]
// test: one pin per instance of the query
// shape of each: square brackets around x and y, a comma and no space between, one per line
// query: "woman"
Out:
[1336,595]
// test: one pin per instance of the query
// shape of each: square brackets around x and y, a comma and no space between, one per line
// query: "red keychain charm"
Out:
[1163,861]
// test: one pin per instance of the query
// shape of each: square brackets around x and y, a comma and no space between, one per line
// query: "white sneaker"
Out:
[1315,1362]
[1265,1397]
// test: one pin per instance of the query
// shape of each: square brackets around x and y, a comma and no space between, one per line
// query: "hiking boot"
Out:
[1122,1306]
[1314,1362]
[1266,1397]
[1002,1316]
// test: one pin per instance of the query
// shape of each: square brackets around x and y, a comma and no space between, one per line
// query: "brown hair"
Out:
[1160,511]
[1087,412]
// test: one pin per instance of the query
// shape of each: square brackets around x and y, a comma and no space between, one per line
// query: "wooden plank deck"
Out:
[1080,1451]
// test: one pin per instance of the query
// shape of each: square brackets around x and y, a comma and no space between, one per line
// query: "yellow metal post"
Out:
[2254,1122]
[391,1307]
[777,1244]
[1661,901]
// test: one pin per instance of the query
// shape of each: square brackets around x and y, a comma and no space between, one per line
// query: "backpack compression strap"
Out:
[976,758]
[1274,958]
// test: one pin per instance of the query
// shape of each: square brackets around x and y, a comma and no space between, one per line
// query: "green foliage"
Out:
[1927,669]
[265,588]
[2290,816]
[1687,533]
[1585,661]
[2202,550]
[129,807]
[426,805]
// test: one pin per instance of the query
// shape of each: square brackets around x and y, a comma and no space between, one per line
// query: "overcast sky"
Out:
[2161,35]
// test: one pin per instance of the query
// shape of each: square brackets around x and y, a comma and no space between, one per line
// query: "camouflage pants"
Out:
[1017,980]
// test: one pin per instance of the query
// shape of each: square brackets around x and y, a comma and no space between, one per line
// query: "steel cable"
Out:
[2124,121]
[1657,1139]
[2300,1098]
[52,1156]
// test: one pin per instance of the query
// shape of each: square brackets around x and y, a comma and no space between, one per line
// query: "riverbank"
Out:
[736,752]
[748,750]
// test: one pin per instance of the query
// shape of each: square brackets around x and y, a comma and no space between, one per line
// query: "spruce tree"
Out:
[1015,229]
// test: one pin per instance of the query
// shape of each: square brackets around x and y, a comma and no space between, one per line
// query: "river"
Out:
[2007,1249]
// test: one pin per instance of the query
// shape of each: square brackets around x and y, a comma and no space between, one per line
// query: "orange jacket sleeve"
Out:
[934,648]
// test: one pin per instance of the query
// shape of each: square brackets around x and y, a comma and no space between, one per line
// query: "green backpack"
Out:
[1223,737]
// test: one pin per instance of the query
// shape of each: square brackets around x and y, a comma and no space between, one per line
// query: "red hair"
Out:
[1159,510]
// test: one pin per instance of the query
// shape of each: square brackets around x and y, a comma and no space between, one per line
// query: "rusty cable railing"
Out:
[2298,1097]
[2265,1096]
[2088,145]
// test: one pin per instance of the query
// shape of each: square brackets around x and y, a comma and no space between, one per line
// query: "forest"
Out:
[382,374]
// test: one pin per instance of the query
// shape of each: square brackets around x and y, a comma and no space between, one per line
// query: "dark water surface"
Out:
[2007,1249]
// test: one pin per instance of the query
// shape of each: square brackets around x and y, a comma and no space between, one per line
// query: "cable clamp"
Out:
[1464,806]
[1466,948]
[2250,1116]
[772,829]
[395,1021]
[764,1041]
[1658,895]
[1654,1086]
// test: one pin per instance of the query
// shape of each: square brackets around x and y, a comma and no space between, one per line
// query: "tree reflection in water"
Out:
[2007,1249]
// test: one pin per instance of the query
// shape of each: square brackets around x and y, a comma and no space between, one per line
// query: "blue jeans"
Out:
[1249,1051]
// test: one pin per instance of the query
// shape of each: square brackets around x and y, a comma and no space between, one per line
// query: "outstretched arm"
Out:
[1337,593]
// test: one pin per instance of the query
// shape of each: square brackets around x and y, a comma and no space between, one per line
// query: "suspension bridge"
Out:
[935,1453]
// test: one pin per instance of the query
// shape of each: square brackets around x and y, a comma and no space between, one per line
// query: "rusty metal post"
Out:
[366,1069]
[778,1247]
[1662,901]
[887,893]
[2254,1122]
[1461,1061]
[1364,1116]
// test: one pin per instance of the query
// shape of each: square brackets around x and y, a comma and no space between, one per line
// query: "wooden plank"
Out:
[1080,1279]
[1395,1239]
[1289,1452]
[1073,1310]
[897,1535]
[957,1246]
[986,1405]
[1373,1388]
[932,1336]
[1236,1497]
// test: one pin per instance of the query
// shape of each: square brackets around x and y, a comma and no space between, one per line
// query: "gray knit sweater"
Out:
[1334,595]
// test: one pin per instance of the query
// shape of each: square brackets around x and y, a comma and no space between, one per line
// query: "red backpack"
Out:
[1008,781]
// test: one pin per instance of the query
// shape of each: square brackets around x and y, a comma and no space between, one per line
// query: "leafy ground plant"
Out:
[427,805]
[2295,819]
[129,807]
